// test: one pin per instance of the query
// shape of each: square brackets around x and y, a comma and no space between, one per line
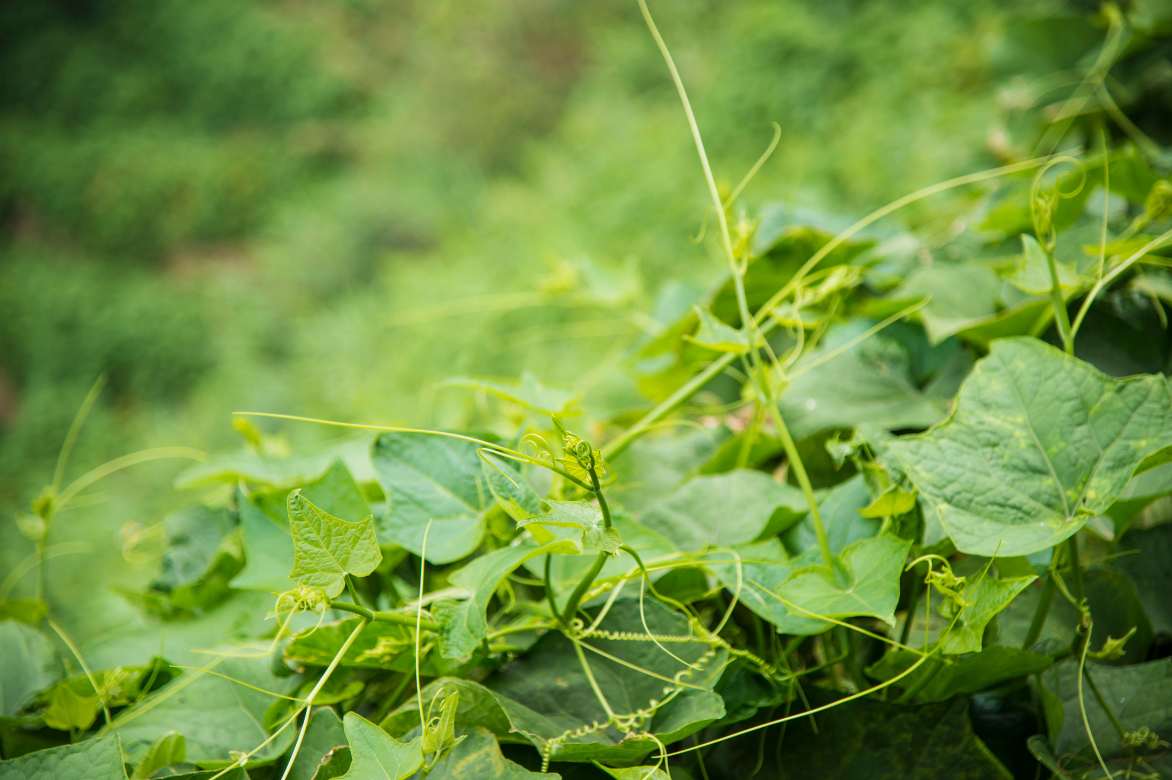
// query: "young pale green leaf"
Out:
[432,479]
[100,757]
[327,548]
[725,509]
[168,750]
[264,526]
[478,757]
[983,599]
[717,336]
[376,754]
[1039,443]
[891,502]
[30,665]
[1032,275]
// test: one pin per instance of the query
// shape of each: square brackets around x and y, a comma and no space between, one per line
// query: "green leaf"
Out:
[203,555]
[864,583]
[871,382]
[432,479]
[873,740]
[984,598]
[1032,275]
[510,488]
[268,548]
[264,525]
[725,509]
[376,754]
[717,336]
[1139,696]
[465,624]
[327,548]
[324,745]
[216,714]
[73,705]
[578,523]
[942,677]
[30,665]
[528,393]
[168,750]
[99,757]
[891,502]
[380,645]
[1039,443]
[1147,559]
[478,757]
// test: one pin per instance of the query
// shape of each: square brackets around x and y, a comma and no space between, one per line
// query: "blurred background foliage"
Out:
[328,208]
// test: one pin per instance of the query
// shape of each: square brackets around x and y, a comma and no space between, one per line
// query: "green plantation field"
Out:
[620,390]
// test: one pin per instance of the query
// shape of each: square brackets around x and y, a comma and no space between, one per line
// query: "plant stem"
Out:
[795,461]
[1076,567]
[1039,619]
[385,616]
[588,579]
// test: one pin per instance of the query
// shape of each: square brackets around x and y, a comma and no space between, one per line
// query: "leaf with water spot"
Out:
[1038,444]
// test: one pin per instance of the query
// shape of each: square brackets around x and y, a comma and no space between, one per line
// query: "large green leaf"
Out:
[1150,566]
[725,509]
[863,583]
[91,759]
[217,714]
[431,479]
[1140,697]
[1039,443]
[324,744]
[30,664]
[871,382]
[376,754]
[327,548]
[874,740]
[478,757]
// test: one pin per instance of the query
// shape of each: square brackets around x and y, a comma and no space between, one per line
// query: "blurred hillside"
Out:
[326,208]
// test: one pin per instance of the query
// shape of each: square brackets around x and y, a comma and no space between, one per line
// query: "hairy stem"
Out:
[387,616]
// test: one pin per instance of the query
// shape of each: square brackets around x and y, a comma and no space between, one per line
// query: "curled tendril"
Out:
[947,583]
[1044,199]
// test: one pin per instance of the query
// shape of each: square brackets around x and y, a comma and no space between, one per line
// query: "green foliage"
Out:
[814,510]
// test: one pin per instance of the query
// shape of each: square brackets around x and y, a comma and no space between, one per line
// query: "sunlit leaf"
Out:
[1039,443]
[327,548]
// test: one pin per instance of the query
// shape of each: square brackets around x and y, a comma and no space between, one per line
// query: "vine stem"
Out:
[599,561]
[321,683]
[387,616]
[795,461]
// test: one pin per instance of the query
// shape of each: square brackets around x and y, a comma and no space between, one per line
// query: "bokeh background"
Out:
[329,208]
